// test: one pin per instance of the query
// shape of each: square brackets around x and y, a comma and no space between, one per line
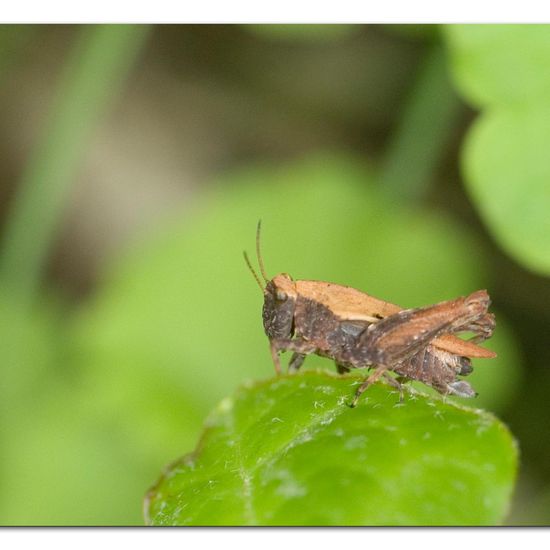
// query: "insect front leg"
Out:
[275,348]
[301,348]
[296,361]
[341,368]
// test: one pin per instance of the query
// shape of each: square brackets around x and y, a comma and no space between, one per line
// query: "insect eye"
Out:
[281,296]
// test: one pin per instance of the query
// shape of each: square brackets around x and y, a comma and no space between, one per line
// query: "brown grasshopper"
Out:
[357,330]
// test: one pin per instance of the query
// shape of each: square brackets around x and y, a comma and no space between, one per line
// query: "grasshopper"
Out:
[357,330]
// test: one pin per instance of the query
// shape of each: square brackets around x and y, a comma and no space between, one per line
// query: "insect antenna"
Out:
[258,251]
[247,260]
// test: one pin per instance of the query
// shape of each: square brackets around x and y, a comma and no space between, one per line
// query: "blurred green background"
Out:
[408,161]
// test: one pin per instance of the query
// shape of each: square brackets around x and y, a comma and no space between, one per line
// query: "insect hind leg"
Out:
[378,372]
[482,328]
[397,383]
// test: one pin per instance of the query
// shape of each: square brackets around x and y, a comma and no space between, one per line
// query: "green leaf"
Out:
[504,69]
[507,171]
[497,65]
[289,451]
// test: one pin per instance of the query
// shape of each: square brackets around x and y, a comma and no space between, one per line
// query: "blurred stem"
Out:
[430,115]
[95,72]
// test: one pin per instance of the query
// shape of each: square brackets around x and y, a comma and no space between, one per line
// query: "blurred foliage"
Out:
[290,451]
[99,393]
[48,440]
[13,38]
[500,66]
[94,73]
[503,70]
[415,31]
[303,33]
[423,131]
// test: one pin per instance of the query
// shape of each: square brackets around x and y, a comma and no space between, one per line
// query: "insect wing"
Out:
[403,334]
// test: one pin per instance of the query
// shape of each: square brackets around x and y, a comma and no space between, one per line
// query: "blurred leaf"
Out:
[68,467]
[53,428]
[305,33]
[30,369]
[59,446]
[500,65]
[30,342]
[290,451]
[56,448]
[507,171]
[503,68]
[420,138]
